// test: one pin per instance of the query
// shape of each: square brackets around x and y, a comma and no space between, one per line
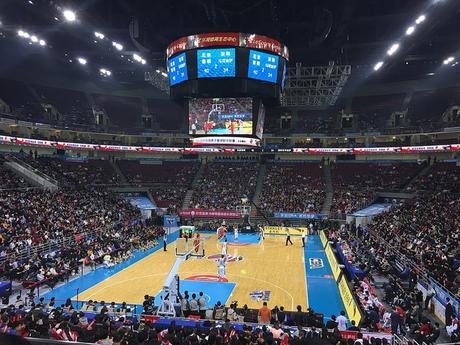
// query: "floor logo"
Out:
[230,258]
[316,263]
[260,295]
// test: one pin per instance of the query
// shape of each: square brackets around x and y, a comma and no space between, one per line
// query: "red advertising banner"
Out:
[264,43]
[223,141]
[177,46]
[215,39]
[227,39]
[366,335]
[200,213]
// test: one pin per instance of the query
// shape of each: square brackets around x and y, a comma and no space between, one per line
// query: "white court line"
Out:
[186,273]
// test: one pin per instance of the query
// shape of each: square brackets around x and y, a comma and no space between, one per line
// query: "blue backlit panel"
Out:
[263,66]
[216,63]
[177,69]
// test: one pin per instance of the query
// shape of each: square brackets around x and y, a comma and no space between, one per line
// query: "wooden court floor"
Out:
[269,265]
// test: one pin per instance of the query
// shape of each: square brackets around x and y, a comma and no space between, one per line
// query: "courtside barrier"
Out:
[281,230]
[346,294]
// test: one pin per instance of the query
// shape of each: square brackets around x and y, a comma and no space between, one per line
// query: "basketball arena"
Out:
[229,172]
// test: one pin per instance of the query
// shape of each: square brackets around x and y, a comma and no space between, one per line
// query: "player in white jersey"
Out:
[235,234]
[221,266]
[224,248]
[261,232]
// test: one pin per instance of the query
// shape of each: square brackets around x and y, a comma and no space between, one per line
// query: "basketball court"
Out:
[256,271]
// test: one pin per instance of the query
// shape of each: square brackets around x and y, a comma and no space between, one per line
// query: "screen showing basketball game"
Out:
[220,116]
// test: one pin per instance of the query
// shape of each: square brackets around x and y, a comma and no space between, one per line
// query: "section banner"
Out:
[281,230]
[200,213]
[287,215]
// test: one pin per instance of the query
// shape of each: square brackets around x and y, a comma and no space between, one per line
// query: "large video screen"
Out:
[263,66]
[177,69]
[220,116]
[216,63]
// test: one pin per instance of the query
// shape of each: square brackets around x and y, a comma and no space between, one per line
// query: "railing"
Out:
[41,248]
[407,261]
[13,158]
[39,341]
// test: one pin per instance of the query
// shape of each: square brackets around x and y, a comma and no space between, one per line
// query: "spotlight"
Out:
[34,39]
[378,65]
[143,62]
[42,43]
[410,30]
[420,19]
[82,61]
[69,15]
[448,60]
[117,46]
[99,35]
[393,49]
[21,33]
[137,57]
[158,71]
[164,74]
[105,72]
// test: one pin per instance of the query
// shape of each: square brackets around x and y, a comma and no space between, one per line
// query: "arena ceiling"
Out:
[356,32]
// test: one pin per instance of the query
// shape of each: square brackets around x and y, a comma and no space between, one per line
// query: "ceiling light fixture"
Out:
[378,65]
[393,49]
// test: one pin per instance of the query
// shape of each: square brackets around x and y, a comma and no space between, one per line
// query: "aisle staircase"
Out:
[326,209]
[260,184]
[421,173]
[121,177]
[189,193]
[30,174]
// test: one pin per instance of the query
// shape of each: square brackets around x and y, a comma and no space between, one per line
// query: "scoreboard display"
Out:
[226,64]
[216,63]
[177,69]
[263,66]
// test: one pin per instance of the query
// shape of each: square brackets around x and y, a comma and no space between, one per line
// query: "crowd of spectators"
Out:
[28,218]
[223,184]
[401,308]
[426,231]
[74,172]
[355,184]
[293,187]
[169,196]
[8,179]
[161,172]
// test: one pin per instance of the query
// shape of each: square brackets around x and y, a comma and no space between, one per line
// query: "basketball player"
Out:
[224,247]
[165,241]
[303,238]
[221,266]
[261,232]
[196,243]
[235,234]
[288,237]
[221,232]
